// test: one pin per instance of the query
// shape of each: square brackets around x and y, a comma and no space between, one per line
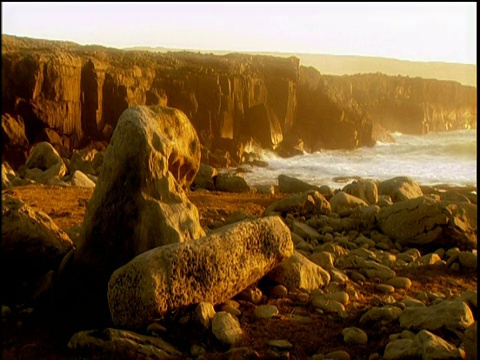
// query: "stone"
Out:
[265,311]
[138,203]
[398,349]
[252,294]
[226,328]
[116,343]
[451,315]
[468,260]
[305,231]
[231,183]
[432,347]
[32,243]
[81,180]
[204,314]
[372,270]
[323,258]
[280,344]
[344,204]
[279,291]
[288,185]
[400,188]
[385,288]
[470,342]
[307,203]
[328,305]
[424,220]
[338,355]
[44,163]
[210,269]
[365,190]
[299,273]
[354,336]
[400,282]
[386,313]
[14,140]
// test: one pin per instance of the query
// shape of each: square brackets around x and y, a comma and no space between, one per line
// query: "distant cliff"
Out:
[72,96]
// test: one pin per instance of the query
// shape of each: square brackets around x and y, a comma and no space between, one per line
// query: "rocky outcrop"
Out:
[210,269]
[138,202]
[72,95]
[427,221]
[79,92]
[408,105]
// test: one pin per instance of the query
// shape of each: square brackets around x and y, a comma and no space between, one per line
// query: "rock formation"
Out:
[138,202]
[211,269]
[72,95]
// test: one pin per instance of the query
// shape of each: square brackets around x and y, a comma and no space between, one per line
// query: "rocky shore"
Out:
[168,258]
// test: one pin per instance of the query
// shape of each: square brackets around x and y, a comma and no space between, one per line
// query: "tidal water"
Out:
[436,158]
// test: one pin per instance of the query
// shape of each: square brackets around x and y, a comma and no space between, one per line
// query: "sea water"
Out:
[435,158]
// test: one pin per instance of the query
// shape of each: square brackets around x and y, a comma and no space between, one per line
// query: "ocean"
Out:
[435,158]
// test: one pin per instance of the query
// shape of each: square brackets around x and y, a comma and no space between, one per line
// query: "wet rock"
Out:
[210,269]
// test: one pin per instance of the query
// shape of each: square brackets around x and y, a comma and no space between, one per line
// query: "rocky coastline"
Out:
[159,266]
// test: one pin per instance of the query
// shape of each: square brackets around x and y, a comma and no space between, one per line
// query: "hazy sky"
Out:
[411,31]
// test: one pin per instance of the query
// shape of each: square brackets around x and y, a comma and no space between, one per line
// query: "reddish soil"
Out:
[39,338]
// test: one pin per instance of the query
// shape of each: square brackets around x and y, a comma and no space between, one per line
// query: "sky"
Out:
[416,31]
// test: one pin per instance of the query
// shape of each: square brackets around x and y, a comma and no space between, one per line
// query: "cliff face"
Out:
[72,95]
[408,105]
[79,92]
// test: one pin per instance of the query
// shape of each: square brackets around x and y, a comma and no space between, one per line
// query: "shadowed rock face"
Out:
[138,202]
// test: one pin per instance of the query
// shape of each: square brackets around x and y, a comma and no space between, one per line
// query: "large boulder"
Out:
[138,202]
[424,221]
[452,315]
[44,163]
[32,243]
[366,190]
[344,204]
[400,188]
[211,269]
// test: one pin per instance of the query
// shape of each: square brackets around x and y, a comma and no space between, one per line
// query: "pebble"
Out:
[265,311]
[385,288]
[400,282]
[280,344]
[354,336]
